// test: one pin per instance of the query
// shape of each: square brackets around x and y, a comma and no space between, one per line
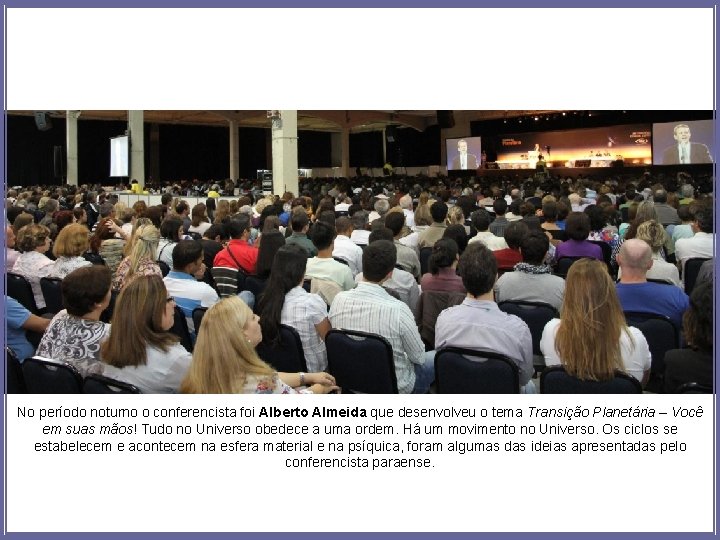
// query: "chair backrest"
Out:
[287,356]
[326,288]
[13,373]
[46,376]
[255,285]
[690,273]
[555,380]
[362,363]
[52,293]
[558,234]
[197,317]
[429,306]
[306,285]
[425,259]
[106,316]
[470,371]
[98,384]
[181,330]
[660,333]
[606,253]
[19,288]
[693,388]
[564,264]
[228,280]
[660,281]
[341,260]
[535,314]
[164,268]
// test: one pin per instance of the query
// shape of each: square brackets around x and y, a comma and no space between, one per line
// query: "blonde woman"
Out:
[225,361]
[222,212]
[591,339]
[33,241]
[69,247]
[141,258]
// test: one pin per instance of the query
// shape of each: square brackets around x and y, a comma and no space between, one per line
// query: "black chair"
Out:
[106,316]
[341,260]
[694,388]
[660,281]
[197,317]
[13,373]
[19,288]
[488,372]
[536,315]
[52,292]
[46,376]
[558,234]
[661,335]
[690,273]
[181,330]
[425,259]
[94,258]
[97,384]
[564,264]
[164,268]
[287,355]
[256,286]
[307,285]
[555,380]
[606,253]
[625,214]
[362,363]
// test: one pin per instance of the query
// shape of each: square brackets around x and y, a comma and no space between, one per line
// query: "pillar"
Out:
[285,153]
[72,147]
[340,151]
[137,146]
[234,150]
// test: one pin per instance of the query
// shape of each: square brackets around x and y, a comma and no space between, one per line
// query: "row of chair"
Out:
[38,375]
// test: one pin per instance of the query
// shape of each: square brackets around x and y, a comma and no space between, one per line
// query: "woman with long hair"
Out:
[222,213]
[591,339]
[443,268]
[171,232]
[140,349]
[200,223]
[269,244]
[141,259]
[286,302]
[225,361]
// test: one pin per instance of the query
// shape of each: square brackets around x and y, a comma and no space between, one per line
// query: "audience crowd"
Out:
[426,263]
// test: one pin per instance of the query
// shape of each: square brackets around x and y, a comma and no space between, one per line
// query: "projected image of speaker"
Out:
[42,120]
[391,134]
[446,119]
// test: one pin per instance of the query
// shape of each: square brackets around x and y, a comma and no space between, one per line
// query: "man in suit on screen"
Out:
[685,151]
[464,160]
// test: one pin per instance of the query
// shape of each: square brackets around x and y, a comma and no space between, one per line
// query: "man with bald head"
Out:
[636,293]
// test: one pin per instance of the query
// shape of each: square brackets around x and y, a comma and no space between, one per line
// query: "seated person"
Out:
[300,224]
[238,253]
[140,349]
[76,333]
[225,361]
[407,257]
[369,308]
[508,257]
[20,320]
[652,233]
[182,281]
[481,221]
[636,293]
[33,241]
[434,232]
[577,229]
[478,323]
[323,266]
[141,257]
[360,233]
[345,248]
[531,280]
[591,304]
[171,232]
[402,282]
[285,301]
[443,268]
[69,247]
[695,363]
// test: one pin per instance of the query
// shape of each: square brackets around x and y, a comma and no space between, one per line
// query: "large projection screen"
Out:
[463,154]
[119,156]
[676,143]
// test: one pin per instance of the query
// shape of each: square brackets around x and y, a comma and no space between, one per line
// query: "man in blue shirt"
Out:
[638,294]
[19,320]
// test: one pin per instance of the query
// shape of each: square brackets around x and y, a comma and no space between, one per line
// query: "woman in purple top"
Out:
[577,228]
[442,265]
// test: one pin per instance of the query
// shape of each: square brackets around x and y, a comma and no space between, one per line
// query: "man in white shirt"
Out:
[360,234]
[406,203]
[481,221]
[701,244]
[323,266]
[345,248]
[182,282]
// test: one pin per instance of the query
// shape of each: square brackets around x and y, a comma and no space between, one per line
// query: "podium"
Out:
[532,157]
